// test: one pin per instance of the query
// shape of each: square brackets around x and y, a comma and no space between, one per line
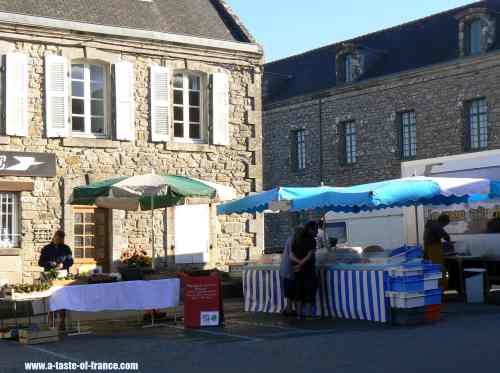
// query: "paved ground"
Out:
[466,341]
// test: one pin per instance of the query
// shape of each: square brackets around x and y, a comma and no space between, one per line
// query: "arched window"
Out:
[89,99]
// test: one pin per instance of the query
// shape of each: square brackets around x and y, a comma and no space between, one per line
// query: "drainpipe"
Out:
[320,109]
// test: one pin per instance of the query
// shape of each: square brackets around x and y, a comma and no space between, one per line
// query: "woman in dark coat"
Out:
[304,258]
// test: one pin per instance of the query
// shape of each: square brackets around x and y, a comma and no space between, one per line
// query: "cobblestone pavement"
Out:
[465,340]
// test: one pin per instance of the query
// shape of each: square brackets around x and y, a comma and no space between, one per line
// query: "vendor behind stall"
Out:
[56,255]
[434,235]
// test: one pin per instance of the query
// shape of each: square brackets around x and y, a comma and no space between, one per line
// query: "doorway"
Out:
[91,240]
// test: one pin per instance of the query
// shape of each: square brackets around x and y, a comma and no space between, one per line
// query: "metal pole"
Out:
[153,233]
[416,225]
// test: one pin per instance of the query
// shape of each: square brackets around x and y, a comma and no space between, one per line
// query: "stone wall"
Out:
[79,160]
[437,94]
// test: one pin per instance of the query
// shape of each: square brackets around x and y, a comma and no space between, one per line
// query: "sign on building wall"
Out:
[27,164]
[475,219]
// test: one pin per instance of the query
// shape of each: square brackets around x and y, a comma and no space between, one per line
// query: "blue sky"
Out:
[287,27]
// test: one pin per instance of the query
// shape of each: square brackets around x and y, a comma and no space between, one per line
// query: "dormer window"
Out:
[348,68]
[350,63]
[476,31]
[473,37]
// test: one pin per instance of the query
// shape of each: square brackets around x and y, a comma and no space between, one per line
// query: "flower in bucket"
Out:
[135,258]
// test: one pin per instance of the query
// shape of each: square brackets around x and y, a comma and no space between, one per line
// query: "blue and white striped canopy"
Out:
[268,200]
[400,193]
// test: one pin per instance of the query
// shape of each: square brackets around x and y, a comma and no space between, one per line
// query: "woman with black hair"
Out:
[304,258]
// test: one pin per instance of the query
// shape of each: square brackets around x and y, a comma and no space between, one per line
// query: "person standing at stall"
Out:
[57,255]
[303,254]
[434,235]
[287,274]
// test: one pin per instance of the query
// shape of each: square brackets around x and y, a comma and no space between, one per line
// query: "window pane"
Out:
[77,89]
[194,83]
[77,106]
[97,89]
[194,130]
[89,217]
[178,129]
[178,97]
[89,253]
[475,37]
[178,113]
[178,81]
[97,125]
[78,217]
[78,124]
[194,114]
[194,98]
[77,71]
[97,73]
[78,229]
[97,107]
[348,68]
[78,241]
[78,252]
[89,241]
[89,229]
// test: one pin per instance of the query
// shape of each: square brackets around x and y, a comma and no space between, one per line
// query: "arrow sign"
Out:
[27,164]
[24,164]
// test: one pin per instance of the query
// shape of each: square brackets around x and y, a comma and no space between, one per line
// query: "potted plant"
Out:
[134,261]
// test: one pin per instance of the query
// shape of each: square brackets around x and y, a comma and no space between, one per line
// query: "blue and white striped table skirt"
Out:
[348,294]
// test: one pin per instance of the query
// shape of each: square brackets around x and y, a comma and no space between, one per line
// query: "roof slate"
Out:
[413,45]
[201,18]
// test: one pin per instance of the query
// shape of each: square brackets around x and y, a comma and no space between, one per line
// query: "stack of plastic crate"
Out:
[414,294]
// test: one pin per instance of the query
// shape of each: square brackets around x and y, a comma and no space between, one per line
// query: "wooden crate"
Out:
[31,337]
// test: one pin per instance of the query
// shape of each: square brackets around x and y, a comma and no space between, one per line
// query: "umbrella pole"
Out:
[416,225]
[153,251]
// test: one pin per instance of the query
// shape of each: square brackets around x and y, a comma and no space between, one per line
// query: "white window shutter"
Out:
[56,96]
[124,101]
[160,104]
[16,94]
[220,107]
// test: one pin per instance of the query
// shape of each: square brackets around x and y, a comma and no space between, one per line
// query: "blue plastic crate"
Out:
[414,284]
[407,253]
[431,270]
[433,297]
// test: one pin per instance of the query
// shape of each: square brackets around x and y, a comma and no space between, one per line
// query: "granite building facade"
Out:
[111,89]
[424,89]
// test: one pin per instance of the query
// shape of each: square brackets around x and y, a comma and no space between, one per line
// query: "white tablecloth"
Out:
[117,296]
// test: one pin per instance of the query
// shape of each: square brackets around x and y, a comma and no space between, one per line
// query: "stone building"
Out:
[95,89]
[352,112]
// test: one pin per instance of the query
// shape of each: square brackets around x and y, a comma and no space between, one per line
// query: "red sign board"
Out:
[202,305]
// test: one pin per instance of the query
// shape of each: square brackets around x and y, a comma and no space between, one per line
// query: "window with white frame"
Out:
[9,220]
[478,124]
[408,135]
[188,108]
[88,99]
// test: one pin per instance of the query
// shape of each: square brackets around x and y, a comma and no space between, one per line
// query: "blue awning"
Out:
[401,193]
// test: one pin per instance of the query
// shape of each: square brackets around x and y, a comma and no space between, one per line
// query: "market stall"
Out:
[361,290]
[349,294]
